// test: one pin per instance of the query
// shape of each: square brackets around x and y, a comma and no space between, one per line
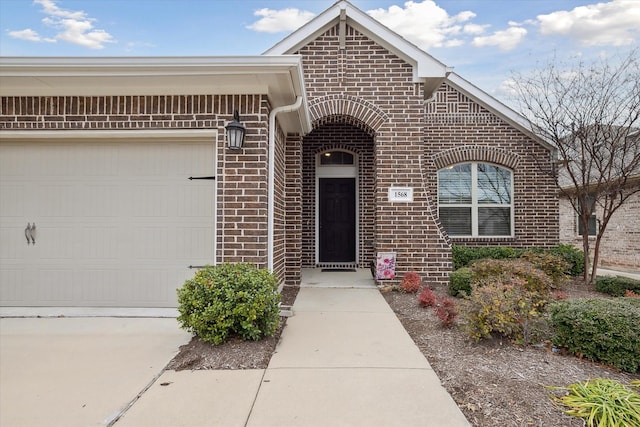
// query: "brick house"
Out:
[357,143]
[620,244]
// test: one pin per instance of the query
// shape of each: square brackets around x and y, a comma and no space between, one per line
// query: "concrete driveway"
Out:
[79,371]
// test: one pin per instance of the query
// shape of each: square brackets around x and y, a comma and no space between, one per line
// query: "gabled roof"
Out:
[426,69]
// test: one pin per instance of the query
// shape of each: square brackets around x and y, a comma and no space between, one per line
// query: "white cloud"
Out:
[275,21]
[29,35]
[615,23]
[424,23]
[73,27]
[505,39]
[474,29]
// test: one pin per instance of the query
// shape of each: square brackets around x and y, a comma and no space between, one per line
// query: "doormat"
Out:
[344,270]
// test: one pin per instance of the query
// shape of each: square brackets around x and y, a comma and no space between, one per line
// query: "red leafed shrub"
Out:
[630,294]
[446,311]
[559,295]
[411,282]
[426,297]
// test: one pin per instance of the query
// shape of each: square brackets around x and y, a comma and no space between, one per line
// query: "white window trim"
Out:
[474,205]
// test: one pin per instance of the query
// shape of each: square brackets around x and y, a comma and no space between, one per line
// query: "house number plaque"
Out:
[401,194]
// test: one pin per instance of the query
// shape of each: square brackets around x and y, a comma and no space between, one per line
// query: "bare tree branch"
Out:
[590,113]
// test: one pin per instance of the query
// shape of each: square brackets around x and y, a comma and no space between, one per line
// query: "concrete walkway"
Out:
[344,359]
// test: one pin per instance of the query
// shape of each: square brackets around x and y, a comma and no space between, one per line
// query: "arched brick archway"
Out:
[347,107]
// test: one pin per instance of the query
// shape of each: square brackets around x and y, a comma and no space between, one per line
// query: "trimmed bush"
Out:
[460,282]
[604,330]
[463,256]
[502,304]
[229,299]
[535,280]
[616,285]
[572,256]
[553,265]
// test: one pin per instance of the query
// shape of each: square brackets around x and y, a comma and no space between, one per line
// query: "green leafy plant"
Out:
[502,304]
[604,330]
[554,266]
[229,299]
[460,282]
[411,282]
[463,255]
[445,309]
[600,403]
[573,257]
[426,297]
[535,280]
[616,285]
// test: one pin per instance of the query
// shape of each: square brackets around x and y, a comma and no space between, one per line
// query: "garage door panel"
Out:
[98,287]
[55,286]
[118,222]
[12,199]
[12,289]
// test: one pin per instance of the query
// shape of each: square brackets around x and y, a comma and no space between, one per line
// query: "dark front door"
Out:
[337,219]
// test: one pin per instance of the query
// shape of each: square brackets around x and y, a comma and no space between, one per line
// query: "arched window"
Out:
[476,200]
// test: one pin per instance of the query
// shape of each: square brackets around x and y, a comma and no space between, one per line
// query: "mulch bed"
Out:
[494,382]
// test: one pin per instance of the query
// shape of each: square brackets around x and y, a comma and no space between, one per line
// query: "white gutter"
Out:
[272,171]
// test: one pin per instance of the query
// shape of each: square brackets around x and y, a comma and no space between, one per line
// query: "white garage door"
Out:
[117,222]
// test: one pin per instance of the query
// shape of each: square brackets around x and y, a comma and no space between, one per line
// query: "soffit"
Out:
[280,78]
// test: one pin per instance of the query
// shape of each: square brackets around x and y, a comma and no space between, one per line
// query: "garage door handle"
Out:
[30,233]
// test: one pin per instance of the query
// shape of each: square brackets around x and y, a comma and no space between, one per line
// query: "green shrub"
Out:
[616,285]
[535,280]
[463,255]
[601,402]
[604,330]
[502,304]
[574,258]
[460,282]
[553,265]
[227,299]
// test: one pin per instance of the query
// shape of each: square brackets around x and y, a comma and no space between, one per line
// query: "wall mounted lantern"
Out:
[235,132]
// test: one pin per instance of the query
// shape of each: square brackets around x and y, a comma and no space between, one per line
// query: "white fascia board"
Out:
[425,66]
[281,78]
[119,66]
[496,107]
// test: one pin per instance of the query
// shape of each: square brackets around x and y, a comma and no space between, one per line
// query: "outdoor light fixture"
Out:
[235,132]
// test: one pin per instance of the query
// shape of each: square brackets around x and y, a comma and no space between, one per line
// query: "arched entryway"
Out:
[338,201]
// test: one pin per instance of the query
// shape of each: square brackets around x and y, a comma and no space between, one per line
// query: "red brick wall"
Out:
[459,130]
[241,176]
[368,85]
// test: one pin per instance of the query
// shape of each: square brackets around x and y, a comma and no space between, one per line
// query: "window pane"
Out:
[592,226]
[494,184]
[336,158]
[457,221]
[454,185]
[494,221]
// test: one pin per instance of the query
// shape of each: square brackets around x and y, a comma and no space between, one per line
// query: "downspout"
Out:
[272,171]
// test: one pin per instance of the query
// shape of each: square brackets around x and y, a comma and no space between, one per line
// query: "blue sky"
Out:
[484,40]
